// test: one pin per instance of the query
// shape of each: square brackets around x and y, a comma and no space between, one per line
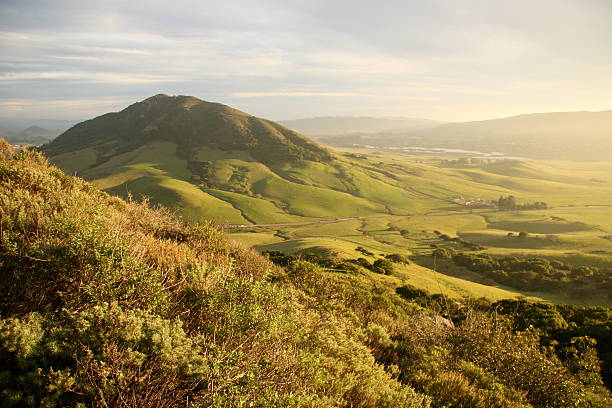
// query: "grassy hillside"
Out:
[209,161]
[234,187]
[105,302]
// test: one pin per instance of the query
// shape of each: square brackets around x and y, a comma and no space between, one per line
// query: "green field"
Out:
[574,242]
[578,231]
[399,201]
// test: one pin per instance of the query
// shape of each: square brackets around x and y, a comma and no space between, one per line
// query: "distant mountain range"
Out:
[32,131]
[339,125]
[562,135]
[31,135]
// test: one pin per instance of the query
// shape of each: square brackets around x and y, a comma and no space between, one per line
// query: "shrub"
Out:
[398,258]
[101,356]
[383,266]
[443,253]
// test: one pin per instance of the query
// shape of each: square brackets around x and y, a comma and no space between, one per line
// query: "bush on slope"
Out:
[111,303]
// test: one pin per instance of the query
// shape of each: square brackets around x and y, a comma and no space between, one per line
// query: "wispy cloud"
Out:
[113,78]
[283,59]
[293,93]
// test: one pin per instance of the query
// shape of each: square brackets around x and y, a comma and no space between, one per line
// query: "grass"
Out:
[456,287]
[255,210]
[193,203]
[255,239]
[382,183]
[74,162]
[560,236]
[243,190]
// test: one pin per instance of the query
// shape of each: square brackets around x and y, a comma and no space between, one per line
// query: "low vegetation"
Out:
[580,336]
[112,303]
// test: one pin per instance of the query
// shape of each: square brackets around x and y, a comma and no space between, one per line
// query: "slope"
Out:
[110,303]
[211,161]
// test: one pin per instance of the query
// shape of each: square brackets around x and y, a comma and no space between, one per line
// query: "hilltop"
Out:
[191,124]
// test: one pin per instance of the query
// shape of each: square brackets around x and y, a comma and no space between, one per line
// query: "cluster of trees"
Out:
[509,203]
[580,336]
[384,265]
[538,274]
[380,265]
[329,262]
[202,172]
[364,251]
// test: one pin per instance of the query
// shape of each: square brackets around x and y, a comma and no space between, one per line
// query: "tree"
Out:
[445,253]
[507,203]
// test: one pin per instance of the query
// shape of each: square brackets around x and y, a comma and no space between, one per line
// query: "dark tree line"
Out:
[539,274]
[510,203]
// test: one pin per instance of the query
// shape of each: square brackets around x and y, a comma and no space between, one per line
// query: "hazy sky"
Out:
[282,59]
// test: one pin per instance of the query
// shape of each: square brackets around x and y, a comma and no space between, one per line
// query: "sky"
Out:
[447,60]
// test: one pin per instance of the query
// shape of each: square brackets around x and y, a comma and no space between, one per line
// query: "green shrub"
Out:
[384,266]
[102,356]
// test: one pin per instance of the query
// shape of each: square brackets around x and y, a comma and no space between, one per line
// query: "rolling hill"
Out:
[210,161]
[557,135]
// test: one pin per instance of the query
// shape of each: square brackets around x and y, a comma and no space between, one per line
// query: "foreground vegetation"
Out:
[111,303]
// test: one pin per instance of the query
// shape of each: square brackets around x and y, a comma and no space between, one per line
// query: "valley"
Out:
[306,204]
[210,162]
[389,235]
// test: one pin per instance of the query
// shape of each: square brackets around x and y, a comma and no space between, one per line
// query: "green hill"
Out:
[191,124]
[108,303]
[210,161]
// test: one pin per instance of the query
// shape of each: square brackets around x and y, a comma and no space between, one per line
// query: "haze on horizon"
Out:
[441,60]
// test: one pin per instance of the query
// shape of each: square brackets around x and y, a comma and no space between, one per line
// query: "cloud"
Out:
[292,93]
[475,57]
[112,78]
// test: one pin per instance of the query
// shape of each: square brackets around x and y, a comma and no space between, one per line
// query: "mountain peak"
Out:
[191,124]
